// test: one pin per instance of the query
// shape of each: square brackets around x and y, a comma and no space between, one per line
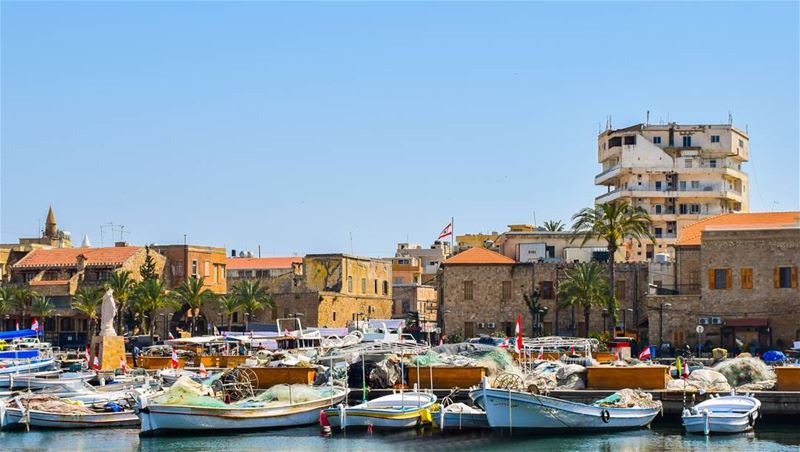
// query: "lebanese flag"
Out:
[572,350]
[202,371]
[174,360]
[645,354]
[123,365]
[685,374]
[518,333]
[87,356]
[447,231]
[35,324]
[170,336]
[541,353]
[96,364]
[17,322]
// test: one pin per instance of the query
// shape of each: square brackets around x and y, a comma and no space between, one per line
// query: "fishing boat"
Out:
[514,408]
[45,380]
[47,411]
[396,411]
[173,411]
[25,365]
[727,414]
[459,416]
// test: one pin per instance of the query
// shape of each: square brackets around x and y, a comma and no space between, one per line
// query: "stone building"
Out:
[737,277]
[418,301]
[429,259]
[52,237]
[195,261]
[58,272]
[483,291]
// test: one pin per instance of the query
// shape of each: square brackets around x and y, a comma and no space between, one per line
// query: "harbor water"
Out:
[664,436]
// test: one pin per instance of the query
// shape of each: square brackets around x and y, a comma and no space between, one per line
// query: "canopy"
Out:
[5,335]
[198,340]
[19,354]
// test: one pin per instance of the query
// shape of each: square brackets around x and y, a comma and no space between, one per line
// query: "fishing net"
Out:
[296,393]
[496,361]
[747,374]
[571,376]
[701,380]
[386,373]
[629,398]
[52,404]
[185,391]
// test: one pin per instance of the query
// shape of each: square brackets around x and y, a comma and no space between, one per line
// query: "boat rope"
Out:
[552,412]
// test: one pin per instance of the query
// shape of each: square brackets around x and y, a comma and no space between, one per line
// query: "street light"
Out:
[661,323]
[625,321]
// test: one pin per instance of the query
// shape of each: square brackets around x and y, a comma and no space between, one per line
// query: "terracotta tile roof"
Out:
[691,234]
[68,257]
[478,256]
[261,263]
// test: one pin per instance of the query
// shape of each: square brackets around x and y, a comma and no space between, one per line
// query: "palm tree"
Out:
[149,297]
[42,308]
[87,300]
[123,286]
[191,293]
[20,300]
[612,222]
[251,297]
[554,226]
[585,286]
[228,305]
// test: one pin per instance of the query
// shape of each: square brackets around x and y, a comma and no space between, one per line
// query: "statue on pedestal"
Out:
[107,313]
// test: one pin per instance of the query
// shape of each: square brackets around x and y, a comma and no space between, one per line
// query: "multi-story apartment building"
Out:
[195,261]
[678,173]
[428,258]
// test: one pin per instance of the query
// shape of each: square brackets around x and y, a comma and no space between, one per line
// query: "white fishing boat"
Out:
[727,414]
[24,366]
[44,411]
[169,411]
[512,408]
[9,379]
[38,381]
[459,416]
[396,411]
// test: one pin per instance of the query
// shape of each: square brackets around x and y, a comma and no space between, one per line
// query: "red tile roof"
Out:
[691,234]
[68,257]
[261,263]
[479,256]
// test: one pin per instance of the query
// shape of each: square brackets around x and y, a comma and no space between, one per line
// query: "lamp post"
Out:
[557,328]
[661,322]
[625,321]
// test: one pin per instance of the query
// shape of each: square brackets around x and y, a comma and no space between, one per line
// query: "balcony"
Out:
[645,191]
[607,175]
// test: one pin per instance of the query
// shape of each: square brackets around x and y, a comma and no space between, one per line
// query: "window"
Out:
[712,163]
[467,290]
[194,269]
[694,208]
[715,138]
[235,317]
[546,290]
[682,209]
[746,277]
[687,141]
[630,139]
[678,337]
[659,232]
[719,278]
[103,275]
[683,185]
[363,285]
[386,287]
[741,143]
[785,277]
[687,163]
[398,281]
[695,184]
[206,268]
[506,290]
[656,140]
[620,290]
[376,287]
[334,316]
[658,208]
[349,283]
[658,185]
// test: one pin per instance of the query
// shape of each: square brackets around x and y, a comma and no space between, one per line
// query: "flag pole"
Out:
[452,236]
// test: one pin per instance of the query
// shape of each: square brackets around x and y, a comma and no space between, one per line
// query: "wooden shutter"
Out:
[711,278]
[777,277]
[747,278]
[728,278]
[794,277]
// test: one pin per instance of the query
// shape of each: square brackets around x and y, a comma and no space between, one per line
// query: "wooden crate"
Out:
[788,378]
[445,377]
[640,377]
[271,376]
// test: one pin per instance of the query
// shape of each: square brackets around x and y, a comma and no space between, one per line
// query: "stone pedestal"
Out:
[109,351]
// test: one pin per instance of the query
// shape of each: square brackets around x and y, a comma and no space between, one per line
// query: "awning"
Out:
[5,335]
[753,322]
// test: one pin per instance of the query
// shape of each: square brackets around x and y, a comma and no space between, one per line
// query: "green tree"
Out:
[192,294]
[612,222]
[228,305]
[554,226]
[537,310]
[251,297]
[21,298]
[6,299]
[123,285]
[148,268]
[585,287]
[149,297]
[42,307]
[87,300]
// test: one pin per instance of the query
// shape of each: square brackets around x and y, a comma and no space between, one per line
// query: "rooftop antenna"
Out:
[351,242]
[534,218]
[773,205]
[730,118]
[259,250]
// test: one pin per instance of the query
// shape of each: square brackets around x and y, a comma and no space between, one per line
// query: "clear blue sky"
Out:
[293,125]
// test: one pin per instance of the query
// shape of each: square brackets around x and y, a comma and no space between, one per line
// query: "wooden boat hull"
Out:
[159,417]
[14,417]
[516,409]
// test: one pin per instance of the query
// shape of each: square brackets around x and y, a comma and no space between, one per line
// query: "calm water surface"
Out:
[663,437]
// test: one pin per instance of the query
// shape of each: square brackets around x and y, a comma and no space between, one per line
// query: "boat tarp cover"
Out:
[19,354]
[6,335]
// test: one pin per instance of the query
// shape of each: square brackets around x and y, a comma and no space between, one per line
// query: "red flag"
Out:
[447,231]
[685,370]
[572,350]
[96,364]
[202,370]
[541,353]
[123,365]
[518,331]
[17,322]
[87,356]
[35,324]
[645,354]
[174,360]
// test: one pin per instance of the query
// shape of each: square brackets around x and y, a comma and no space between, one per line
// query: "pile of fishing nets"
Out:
[386,373]
[701,380]
[185,391]
[629,398]
[52,404]
[571,376]
[747,374]
[296,393]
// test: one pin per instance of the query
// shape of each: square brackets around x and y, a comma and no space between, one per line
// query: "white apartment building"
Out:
[678,173]
[430,258]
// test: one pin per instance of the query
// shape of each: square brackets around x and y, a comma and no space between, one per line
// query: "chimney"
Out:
[120,244]
[233,253]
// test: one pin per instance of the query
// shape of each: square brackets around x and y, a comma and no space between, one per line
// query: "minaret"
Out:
[50,230]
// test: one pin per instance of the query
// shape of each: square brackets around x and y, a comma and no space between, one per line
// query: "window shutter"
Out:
[776,273]
[794,277]
[710,278]
[728,278]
